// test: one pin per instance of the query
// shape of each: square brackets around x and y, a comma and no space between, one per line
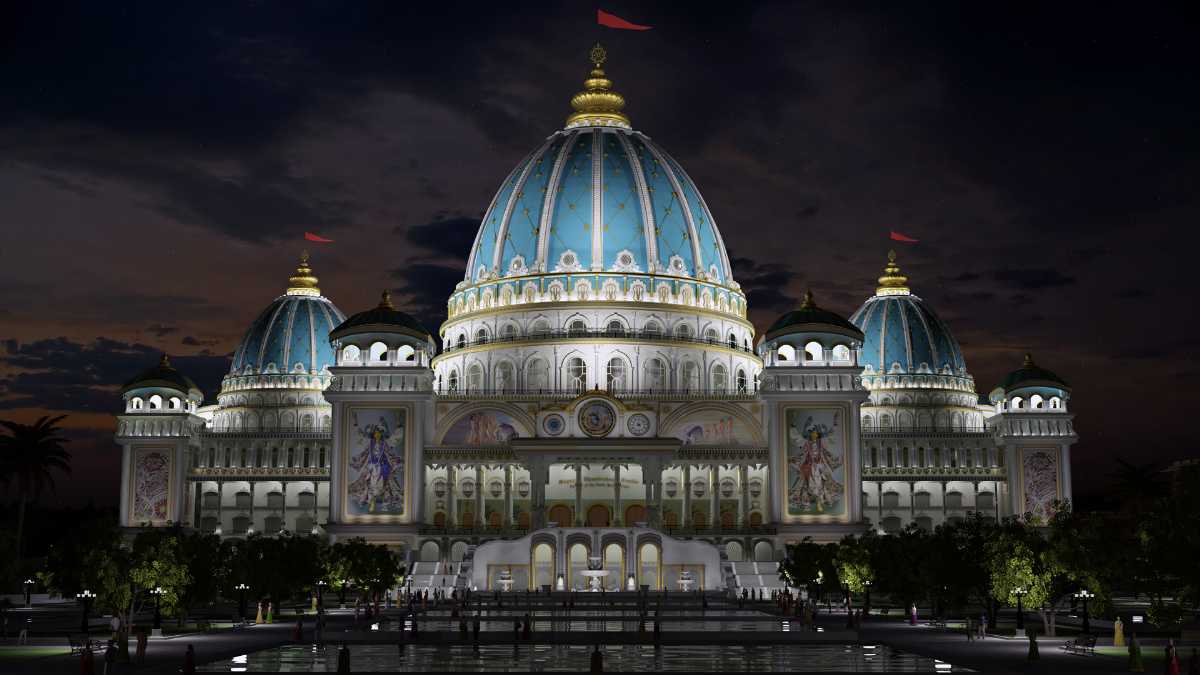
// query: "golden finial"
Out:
[807,301]
[386,301]
[303,282]
[1029,361]
[598,104]
[892,282]
[164,362]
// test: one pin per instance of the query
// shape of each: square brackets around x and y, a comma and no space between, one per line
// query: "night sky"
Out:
[158,167]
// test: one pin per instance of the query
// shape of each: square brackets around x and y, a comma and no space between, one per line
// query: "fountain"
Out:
[687,580]
[595,574]
[505,580]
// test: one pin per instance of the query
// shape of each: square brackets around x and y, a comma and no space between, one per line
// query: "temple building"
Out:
[595,394]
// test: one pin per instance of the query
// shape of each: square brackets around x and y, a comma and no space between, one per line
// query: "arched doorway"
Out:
[614,562]
[494,520]
[733,551]
[561,514]
[543,565]
[577,562]
[763,552]
[458,551]
[439,519]
[727,520]
[523,520]
[635,514]
[699,518]
[599,516]
[755,519]
[649,566]
[468,519]
[430,552]
[670,519]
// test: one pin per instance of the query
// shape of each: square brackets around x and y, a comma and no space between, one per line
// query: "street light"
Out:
[157,592]
[867,598]
[241,589]
[28,585]
[1020,593]
[86,598]
[1085,595]
[342,592]
[321,595]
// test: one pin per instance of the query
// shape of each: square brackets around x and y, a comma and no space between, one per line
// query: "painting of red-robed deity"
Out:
[151,485]
[375,475]
[1039,470]
[816,473]
[713,427]
[484,427]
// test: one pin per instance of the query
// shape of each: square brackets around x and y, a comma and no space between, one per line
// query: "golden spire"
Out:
[598,104]
[164,362]
[807,301]
[892,282]
[303,282]
[386,301]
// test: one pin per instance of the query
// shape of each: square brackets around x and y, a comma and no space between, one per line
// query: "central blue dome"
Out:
[292,334]
[598,199]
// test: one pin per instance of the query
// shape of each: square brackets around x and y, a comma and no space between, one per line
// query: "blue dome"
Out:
[903,334]
[292,334]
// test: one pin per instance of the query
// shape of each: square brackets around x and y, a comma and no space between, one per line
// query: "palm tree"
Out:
[28,455]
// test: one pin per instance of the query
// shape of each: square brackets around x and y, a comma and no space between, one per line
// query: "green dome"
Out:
[1031,374]
[162,375]
[384,318]
[810,318]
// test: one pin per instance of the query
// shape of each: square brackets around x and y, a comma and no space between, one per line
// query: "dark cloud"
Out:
[1133,293]
[192,341]
[1033,279]
[159,330]
[450,237]
[423,290]
[765,286]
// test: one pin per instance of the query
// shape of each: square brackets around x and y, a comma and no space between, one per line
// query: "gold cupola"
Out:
[598,104]
[303,282]
[892,282]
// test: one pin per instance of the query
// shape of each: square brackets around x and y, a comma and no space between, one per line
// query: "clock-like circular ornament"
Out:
[553,425]
[638,424]
[597,418]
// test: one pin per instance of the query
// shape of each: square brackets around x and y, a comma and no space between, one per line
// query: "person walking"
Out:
[189,661]
[983,624]
[1118,633]
[1172,666]
[110,657]
[597,660]
[87,662]
[114,626]
[343,659]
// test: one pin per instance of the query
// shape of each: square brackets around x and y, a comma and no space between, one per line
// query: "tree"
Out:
[207,559]
[855,569]
[812,566]
[29,455]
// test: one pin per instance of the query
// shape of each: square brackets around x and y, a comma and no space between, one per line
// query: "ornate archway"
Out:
[561,514]
[636,513]
[599,516]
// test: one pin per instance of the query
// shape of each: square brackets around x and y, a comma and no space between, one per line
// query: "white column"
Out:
[744,494]
[685,519]
[714,497]
[508,502]
[578,495]
[452,494]
[479,495]
[617,520]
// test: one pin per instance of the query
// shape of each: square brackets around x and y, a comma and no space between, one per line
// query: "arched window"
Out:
[576,374]
[173,404]
[508,332]
[732,341]
[1055,403]
[742,385]
[1017,402]
[813,351]
[577,328]
[505,376]
[481,336]
[690,376]
[683,331]
[537,375]
[453,381]
[135,403]
[350,354]
[541,328]
[720,379]
[710,336]
[378,352]
[156,402]
[462,340]
[786,353]
[406,354]
[652,329]
[656,375]
[475,378]
[616,376]
[841,353]
[1035,402]
[615,328]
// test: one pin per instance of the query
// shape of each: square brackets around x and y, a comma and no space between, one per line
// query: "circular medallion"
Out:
[553,424]
[638,424]
[597,418]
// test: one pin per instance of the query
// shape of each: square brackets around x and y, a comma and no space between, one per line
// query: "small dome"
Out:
[292,333]
[902,333]
[163,376]
[808,318]
[1032,375]
[384,318]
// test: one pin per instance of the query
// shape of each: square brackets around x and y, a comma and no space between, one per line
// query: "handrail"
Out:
[648,336]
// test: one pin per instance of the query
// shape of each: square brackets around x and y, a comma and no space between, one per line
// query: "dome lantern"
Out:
[303,282]
[598,104]
[892,282]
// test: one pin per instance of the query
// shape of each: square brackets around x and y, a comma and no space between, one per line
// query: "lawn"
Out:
[31,651]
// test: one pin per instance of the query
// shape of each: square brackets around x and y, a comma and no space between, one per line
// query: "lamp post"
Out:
[28,585]
[85,597]
[321,595]
[1086,595]
[241,589]
[1020,593]
[157,592]
[342,593]
[866,599]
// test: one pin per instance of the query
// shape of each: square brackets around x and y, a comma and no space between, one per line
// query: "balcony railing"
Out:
[638,335]
[621,393]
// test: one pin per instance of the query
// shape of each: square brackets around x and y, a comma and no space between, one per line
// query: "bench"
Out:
[89,644]
[1084,644]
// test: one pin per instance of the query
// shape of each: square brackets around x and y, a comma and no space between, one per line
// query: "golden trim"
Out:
[702,346]
[782,478]
[593,304]
[457,413]
[409,470]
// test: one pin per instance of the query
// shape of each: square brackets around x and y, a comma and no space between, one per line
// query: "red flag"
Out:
[317,238]
[896,236]
[613,21]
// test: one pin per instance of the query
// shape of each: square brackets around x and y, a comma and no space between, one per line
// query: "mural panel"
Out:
[151,485]
[1039,476]
[816,457]
[375,462]
[485,427]
[713,427]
